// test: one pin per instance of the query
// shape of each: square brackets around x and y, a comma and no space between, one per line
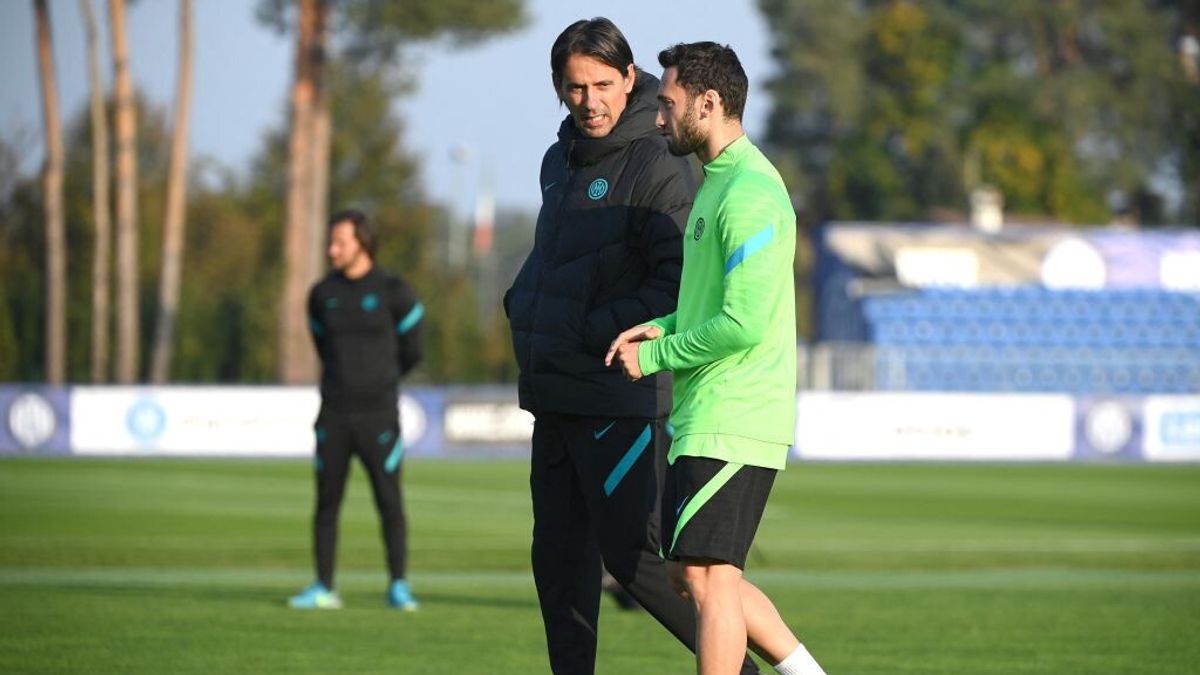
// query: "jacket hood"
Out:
[637,121]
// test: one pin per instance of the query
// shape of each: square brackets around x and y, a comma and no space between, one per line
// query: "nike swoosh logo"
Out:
[600,434]
[549,185]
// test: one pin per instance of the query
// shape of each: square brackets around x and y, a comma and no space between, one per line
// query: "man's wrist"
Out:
[646,358]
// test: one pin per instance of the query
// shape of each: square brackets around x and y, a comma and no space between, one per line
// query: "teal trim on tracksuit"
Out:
[411,319]
[394,457]
[635,451]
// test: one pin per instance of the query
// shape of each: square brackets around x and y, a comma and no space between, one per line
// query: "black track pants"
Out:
[594,483]
[375,439]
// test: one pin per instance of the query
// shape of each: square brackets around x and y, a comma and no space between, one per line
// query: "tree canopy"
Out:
[229,296]
[374,32]
[1074,109]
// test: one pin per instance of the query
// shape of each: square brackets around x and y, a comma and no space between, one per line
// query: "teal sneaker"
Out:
[400,597]
[316,596]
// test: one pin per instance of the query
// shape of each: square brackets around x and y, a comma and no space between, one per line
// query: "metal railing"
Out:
[855,366]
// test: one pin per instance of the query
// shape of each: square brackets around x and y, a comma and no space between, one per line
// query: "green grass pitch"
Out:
[179,566]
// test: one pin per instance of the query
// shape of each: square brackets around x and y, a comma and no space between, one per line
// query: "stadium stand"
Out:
[1009,334]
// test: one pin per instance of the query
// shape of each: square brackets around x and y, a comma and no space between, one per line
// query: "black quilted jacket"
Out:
[606,256]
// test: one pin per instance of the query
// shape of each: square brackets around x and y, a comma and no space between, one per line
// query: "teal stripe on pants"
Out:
[394,457]
[623,466]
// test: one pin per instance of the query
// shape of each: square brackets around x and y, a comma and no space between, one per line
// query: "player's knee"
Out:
[707,579]
[328,506]
[675,577]
[696,580]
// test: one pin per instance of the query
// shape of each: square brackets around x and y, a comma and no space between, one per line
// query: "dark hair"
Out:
[598,38]
[364,231]
[707,65]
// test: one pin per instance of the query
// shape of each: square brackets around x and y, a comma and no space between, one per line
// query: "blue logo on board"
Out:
[598,189]
[1180,428]
[370,302]
[145,420]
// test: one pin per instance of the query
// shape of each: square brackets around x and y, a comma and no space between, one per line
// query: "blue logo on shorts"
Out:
[597,189]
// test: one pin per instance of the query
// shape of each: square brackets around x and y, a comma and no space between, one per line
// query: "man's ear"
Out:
[630,77]
[710,102]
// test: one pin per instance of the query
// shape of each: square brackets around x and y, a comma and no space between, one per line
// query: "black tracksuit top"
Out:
[367,333]
[607,255]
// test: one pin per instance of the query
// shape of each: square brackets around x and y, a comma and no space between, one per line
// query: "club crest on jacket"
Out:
[597,189]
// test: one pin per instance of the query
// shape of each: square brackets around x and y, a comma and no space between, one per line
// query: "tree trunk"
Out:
[52,199]
[297,363]
[125,116]
[319,211]
[174,225]
[100,202]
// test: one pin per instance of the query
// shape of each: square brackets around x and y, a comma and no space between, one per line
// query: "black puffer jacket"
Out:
[606,256]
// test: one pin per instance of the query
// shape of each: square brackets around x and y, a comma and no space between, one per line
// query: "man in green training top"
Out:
[731,344]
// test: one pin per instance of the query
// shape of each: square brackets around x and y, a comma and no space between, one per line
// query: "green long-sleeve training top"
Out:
[732,339]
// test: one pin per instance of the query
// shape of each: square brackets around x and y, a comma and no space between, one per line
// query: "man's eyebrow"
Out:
[598,83]
[665,99]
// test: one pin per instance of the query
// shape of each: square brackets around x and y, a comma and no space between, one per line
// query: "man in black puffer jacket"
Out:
[607,254]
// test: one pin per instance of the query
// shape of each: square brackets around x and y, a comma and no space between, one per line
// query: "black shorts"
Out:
[711,508]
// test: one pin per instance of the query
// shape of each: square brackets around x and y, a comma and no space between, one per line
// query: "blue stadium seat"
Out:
[1036,339]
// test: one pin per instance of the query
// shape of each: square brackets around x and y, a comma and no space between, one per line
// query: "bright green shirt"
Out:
[732,339]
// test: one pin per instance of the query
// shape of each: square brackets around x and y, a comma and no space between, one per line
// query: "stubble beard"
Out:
[687,137]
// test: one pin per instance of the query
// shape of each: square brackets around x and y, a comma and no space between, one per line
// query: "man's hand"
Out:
[627,356]
[624,349]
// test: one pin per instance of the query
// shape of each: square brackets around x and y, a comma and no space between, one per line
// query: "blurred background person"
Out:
[366,325]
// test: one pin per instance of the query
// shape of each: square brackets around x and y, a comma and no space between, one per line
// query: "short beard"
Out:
[687,138]
[349,263]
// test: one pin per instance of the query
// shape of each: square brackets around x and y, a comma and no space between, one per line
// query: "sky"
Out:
[492,106]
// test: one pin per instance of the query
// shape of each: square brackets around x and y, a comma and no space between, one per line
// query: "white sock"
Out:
[799,662]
